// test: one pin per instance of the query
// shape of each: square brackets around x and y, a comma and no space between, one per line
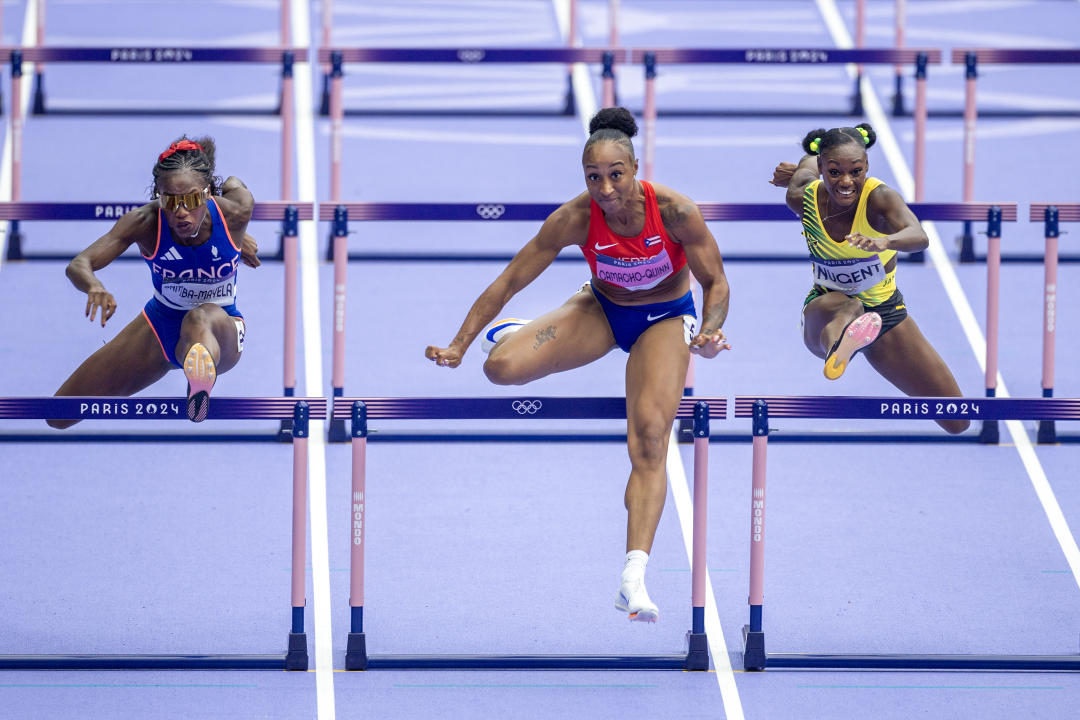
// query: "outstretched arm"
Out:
[683,221]
[557,232]
[135,225]
[796,178]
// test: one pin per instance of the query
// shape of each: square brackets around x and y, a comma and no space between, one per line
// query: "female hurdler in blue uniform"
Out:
[193,236]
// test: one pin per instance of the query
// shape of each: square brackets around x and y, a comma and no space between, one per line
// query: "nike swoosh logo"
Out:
[604,247]
[657,317]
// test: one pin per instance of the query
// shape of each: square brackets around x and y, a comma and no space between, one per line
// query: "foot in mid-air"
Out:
[859,333]
[200,372]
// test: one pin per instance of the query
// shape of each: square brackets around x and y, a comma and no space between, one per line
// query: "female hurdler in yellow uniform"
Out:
[854,225]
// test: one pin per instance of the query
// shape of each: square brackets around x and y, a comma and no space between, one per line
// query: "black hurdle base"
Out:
[295,659]
[755,658]
[297,656]
[696,658]
[753,649]
[1001,663]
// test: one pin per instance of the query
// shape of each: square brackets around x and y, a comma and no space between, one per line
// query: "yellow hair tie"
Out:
[865,135]
[815,144]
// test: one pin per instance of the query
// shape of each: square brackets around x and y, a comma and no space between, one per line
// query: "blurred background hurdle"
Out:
[361,410]
[298,411]
[175,57]
[971,59]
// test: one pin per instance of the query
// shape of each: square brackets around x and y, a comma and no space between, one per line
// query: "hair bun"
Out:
[617,118]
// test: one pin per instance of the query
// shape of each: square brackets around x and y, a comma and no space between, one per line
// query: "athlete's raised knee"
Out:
[501,369]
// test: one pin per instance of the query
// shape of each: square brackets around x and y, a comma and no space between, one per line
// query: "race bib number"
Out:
[635,274]
[850,275]
[189,293]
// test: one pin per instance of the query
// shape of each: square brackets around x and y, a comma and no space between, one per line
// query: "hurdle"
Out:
[1050,215]
[340,214]
[287,213]
[39,82]
[760,409]
[160,56]
[298,410]
[361,410]
[971,59]
[919,57]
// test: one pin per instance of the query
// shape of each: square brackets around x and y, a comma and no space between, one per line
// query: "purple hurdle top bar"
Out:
[1051,215]
[299,410]
[468,55]
[762,408]
[154,408]
[113,210]
[363,211]
[165,55]
[361,410]
[911,408]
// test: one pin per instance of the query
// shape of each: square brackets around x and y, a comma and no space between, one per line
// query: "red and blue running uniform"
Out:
[636,263]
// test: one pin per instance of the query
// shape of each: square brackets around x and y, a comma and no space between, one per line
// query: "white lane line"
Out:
[313,381]
[580,80]
[29,37]
[684,506]
[955,292]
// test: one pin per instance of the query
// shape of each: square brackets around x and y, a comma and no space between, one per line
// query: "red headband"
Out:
[178,146]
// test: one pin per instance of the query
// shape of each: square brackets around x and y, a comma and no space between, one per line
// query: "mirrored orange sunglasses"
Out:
[190,201]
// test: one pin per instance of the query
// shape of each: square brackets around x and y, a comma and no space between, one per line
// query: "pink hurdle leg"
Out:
[757,531]
[993,282]
[1049,312]
[356,657]
[753,636]
[291,264]
[299,530]
[356,555]
[701,514]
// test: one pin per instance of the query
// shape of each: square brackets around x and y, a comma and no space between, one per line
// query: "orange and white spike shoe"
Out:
[201,374]
[859,333]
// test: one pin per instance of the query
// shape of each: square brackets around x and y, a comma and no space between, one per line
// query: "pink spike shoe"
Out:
[859,333]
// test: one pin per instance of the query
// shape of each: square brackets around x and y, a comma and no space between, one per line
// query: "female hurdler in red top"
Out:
[641,241]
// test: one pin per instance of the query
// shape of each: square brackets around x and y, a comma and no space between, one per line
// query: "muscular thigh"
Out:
[656,375]
[572,335]
[128,363]
[906,358]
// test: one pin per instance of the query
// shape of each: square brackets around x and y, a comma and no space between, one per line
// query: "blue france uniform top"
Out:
[186,276]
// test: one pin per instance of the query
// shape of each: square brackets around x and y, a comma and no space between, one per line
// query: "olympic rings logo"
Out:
[526,407]
[490,212]
[470,56]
